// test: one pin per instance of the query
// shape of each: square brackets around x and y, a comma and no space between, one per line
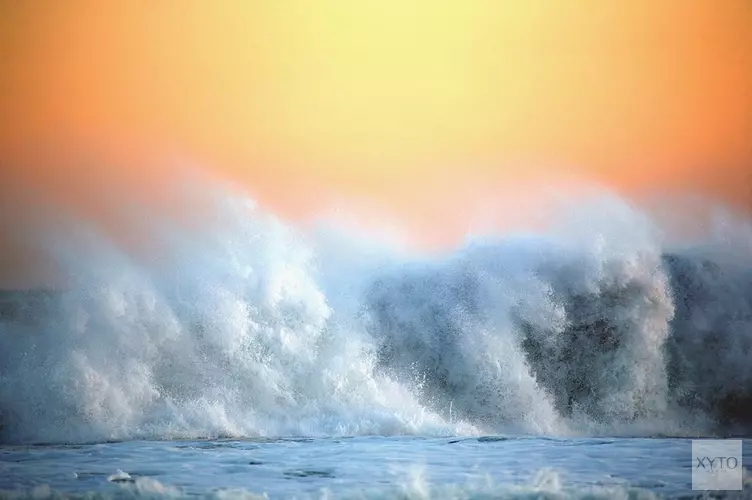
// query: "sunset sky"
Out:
[411,106]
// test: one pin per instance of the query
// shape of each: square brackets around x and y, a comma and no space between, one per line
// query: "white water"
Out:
[248,327]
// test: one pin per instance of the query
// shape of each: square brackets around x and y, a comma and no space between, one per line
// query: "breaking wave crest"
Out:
[250,328]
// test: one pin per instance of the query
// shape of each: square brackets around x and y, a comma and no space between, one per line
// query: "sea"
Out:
[360,467]
[246,357]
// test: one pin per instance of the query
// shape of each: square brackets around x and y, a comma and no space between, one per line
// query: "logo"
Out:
[717,464]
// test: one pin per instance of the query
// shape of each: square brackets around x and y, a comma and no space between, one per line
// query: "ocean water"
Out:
[245,354]
[359,467]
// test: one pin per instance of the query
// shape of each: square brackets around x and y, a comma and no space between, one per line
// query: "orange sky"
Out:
[394,102]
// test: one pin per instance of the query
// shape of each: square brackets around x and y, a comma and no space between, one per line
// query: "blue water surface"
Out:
[360,467]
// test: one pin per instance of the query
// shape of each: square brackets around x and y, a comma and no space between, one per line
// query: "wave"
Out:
[248,327]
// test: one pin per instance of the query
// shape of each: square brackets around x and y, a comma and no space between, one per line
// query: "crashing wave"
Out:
[248,328]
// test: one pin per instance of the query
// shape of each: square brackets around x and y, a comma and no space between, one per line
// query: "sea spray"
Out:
[226,334]
[245,326]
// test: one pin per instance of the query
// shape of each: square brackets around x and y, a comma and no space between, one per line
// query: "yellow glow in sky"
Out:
[394,101]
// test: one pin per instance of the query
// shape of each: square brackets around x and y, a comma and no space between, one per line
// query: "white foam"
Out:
[247,327]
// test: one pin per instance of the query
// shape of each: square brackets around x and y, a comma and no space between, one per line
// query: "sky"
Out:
[417,108]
